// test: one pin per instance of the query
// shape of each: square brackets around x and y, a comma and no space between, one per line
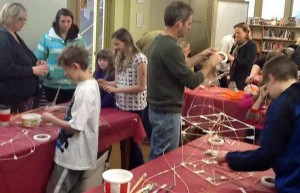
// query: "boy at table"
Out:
[77,143]
[280,147]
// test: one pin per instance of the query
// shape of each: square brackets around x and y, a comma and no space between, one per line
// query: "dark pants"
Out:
[223,81]
[136,156]
[63,96]
[147,123]
[250,132]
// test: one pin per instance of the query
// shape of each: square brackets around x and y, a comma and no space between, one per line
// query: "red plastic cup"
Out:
[117,181]
[4,115]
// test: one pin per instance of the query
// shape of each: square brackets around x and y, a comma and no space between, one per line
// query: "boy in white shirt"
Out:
[77,143]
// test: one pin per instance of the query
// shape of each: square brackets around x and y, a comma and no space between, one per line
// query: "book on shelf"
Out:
[270,46]
[291,21]
[278,34]
[258,46]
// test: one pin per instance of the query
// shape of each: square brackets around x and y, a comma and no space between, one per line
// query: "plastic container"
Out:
[31,120]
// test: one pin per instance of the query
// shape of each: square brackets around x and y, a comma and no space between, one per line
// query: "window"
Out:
[251,8]
[87,21]
[296,9]
[273,8]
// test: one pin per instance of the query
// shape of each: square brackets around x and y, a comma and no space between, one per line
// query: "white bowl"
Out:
[31,120]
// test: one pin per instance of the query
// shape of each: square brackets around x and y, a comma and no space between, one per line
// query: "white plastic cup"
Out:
[4,115]
[117,181]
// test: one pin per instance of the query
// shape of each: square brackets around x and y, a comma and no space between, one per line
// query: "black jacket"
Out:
[243,63]
[296,55]
[17,80]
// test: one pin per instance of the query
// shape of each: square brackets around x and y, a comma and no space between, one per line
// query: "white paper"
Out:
[87,13]
[139,19]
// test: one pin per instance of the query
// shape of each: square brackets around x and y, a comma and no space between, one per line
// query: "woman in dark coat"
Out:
[242,56]
[19,69]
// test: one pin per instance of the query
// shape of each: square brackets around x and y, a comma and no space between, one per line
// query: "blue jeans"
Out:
[165,133]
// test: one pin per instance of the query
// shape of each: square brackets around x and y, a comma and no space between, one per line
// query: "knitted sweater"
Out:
[49,48]
[107,99]
[17,80]
[168,74]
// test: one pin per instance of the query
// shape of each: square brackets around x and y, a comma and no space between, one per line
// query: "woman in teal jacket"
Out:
[62,34]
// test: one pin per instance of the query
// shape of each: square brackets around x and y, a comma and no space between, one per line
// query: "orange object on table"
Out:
[232,95]
[221,98]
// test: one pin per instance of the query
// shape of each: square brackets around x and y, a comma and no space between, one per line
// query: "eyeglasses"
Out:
[22,19]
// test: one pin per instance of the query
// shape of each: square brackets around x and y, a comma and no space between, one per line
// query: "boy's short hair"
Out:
[74,54]
[281,67]
[273,54]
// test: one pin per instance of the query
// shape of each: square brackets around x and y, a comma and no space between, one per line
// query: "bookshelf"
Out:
[269,38]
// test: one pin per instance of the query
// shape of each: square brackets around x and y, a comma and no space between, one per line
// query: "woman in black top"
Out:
[19,69]
[242,55]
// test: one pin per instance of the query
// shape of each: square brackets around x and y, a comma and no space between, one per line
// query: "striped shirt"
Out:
[49,48]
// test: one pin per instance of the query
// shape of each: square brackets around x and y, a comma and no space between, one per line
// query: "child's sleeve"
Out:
[255,116]
[246,101]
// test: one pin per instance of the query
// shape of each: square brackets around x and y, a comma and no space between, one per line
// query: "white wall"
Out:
[143,9]
[226,15]
[41,14]
[156,18]
[198,36]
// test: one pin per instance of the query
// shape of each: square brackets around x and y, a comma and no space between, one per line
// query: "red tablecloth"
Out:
[121,125]
[158,171]
[214,96]
[30,174]
[214,101]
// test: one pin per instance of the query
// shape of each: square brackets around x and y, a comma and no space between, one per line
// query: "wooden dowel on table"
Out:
[138,182]
[56,96]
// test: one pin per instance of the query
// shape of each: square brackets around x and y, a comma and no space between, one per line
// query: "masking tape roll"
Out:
[224,56]
[211,152]
[268,181]
[41,137]
[216,141]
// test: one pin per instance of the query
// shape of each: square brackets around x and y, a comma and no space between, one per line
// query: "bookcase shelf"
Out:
[270,38]
[278,40]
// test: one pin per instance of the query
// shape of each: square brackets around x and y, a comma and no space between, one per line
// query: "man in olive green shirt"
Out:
[168,74]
